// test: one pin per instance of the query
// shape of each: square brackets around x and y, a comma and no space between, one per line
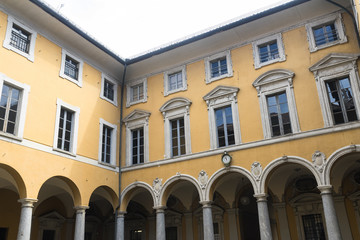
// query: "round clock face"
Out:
[226,159]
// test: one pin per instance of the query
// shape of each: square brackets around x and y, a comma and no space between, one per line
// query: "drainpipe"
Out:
[352,18]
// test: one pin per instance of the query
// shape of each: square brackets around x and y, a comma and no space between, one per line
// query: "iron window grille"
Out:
[268,51]
[20,39]
[71,68]
[218,67]
[106,144]
[137,146]
[65,129]
[313,227]
[279,114]
[175,81]
[177,137]
[109,90]
[325,34]
[224,126]
[9,107]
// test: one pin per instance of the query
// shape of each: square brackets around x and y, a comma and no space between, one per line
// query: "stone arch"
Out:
[171,181]
[110,195]
[334,157]
[221,172]
[284,160]
[19,182]
[128,192]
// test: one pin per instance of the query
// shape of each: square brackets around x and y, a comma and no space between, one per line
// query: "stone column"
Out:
[80,222]
[283,221]
[207,220]
[120,229]
[189,226]
[264,219]
[27,205]
[332,225]
[160,223]
[231,212]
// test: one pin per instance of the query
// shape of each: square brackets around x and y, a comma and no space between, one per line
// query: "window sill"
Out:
[24,54]
[75,81]
[110,101]
[260,65]
[210,80]
[326,45]
[11,136]
[136,102]
[64,152]
[175,91]
[107,164]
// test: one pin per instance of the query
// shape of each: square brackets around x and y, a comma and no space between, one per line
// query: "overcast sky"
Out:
[131,27]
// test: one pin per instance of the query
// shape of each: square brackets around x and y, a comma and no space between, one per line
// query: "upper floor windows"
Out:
[20,39]
[71,68]
[218,66]
[136,92]
[13,101]
[325,32]
[224,124]
[107,143]
[277,103]
[137,148]
[336,80]
[175,80]
[268,50]
[109,89]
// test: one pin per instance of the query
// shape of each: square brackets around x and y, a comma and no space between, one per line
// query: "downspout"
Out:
[352,18]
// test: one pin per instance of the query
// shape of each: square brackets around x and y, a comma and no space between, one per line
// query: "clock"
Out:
[226,159]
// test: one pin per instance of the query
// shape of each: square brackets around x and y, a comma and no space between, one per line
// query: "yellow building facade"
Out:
[246,131]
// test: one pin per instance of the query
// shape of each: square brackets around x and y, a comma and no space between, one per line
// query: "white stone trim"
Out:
[222,96]
[336,65]
[78,81]
[331,18]
[113,141]
[76,110]
[173,109]
[23,101]
[7,45]
[129,86]
[116,86]
[227,55]
[181,69]
[136,119]
[272,82]
[255,45]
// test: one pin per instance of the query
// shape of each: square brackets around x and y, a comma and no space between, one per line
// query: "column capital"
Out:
[325,189]
[27,202]
[206,204]
[81,208]
[261,197]
[160,209]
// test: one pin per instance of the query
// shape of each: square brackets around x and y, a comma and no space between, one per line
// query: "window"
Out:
[325,32]
[13,103]
[71,68]
[336,80]
[224,124]
[175,80]
[20,39]
[137,137]
[176,127]
[277,103]
[109,88]
[66,130]
[313,227]
[107,143]
[136,92]
[268,50]
[136,234]
[218,66]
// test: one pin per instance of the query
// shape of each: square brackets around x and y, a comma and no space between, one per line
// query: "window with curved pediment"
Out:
[277,103]
[176,127]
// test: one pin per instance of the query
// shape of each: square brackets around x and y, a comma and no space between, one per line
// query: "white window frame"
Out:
[6,44]
[338,23]
[176,108]
[270,83]
[129,86]
[74,134]
[208,60]
[222,96]
[333,66]
[102,96]
[62,68]
[136,119]
[181,69]
[255,45]
[23,101]
[112,144]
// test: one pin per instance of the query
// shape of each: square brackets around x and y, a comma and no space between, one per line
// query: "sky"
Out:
[132,27]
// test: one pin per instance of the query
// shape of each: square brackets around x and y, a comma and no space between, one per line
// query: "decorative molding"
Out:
[157,186]
[256,170]
[182,70]
[318,159]
[208,60]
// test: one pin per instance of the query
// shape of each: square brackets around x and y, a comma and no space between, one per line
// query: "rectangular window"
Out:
[175,81]
[136,234]
[279,114]
[9,108]
[177,137]
[109,90]
[137,146]
[341,100]
[217,235]
[325,34]
[313,227]
[171,233]
[20,39]
[48,235]
[71,67]
[268,51]
[3,233]
[106,144]
[65,129]
[224,126]
[137,92]
[218,67]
